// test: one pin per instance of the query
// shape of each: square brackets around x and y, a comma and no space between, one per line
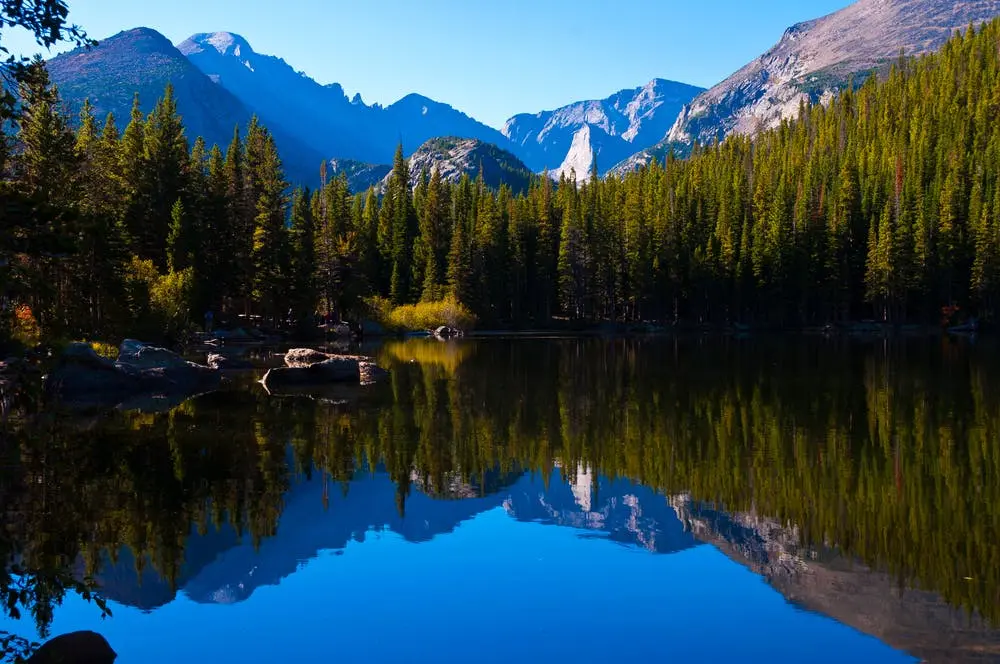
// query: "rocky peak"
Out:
[224,43]
[813,61]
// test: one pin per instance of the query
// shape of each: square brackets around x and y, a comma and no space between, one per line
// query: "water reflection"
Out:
[874,471]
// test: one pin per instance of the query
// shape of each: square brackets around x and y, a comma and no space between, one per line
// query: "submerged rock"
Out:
[371,372]
[227,363]
[82,647]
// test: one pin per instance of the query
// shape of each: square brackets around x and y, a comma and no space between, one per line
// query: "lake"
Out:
[534,500]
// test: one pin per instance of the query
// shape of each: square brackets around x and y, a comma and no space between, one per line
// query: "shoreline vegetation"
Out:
[883,206]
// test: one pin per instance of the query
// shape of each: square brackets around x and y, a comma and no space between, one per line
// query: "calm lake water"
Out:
[535,500]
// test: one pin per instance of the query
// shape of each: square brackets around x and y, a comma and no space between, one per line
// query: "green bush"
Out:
[160,304]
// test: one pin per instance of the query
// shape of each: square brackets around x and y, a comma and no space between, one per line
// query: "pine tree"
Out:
[166,162]
[403,230]
[303,240]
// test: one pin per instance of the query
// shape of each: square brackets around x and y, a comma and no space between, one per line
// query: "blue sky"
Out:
[488,59]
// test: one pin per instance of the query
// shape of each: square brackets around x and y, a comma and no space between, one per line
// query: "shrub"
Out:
[25,329]
[430,315]
[159,304]
[104,349]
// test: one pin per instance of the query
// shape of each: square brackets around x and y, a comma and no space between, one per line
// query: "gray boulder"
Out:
[371,372]
[304,357]
[83,647]
[333,370]
[85,379]
[445,332]
[146,356]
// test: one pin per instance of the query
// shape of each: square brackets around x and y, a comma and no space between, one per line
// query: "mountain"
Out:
[219,568]
[360,175]
[612,128]
[144,61]
[822,580]
[813,61]
[322,115]
[454,157]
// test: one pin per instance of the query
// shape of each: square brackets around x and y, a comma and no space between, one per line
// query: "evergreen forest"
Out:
[883,205]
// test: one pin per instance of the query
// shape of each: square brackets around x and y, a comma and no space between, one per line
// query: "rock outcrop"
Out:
[84,379]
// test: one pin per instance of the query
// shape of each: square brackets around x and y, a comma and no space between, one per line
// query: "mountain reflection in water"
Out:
[866,488]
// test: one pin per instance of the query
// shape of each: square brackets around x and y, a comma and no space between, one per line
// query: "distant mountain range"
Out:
[219,568]
[322,115]
[610,129]
[812,62]
[220,81]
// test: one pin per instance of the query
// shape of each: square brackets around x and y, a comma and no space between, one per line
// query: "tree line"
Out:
[884,204]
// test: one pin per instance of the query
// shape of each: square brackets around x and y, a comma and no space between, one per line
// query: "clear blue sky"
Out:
[488,59]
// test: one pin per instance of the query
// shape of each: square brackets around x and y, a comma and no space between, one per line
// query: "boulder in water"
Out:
[85,379]
[82,647]
[445,332]
[332,370]
[304,357]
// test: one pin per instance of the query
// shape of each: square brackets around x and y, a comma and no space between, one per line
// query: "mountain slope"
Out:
[144,61]
[321,115]
[823,580]
[360,175]
[814,60]
[612,128]
[454,157]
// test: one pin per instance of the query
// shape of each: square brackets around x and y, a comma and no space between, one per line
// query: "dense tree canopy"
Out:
[884,204]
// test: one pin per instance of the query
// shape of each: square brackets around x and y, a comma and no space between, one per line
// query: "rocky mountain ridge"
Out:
[454,157]
[610,129]
[812,62]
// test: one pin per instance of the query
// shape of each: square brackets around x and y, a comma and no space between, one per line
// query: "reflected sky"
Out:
[494,590]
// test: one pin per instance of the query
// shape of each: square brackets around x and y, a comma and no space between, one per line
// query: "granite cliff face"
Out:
[454,157]
[609,129]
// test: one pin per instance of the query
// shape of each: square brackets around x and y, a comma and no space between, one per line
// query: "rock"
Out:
[83,354]
[445,332]
[333,370]
[85,379]
[342,330]
[371,372]
[304,357]
[146,356]
[226,363]
[75,648]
